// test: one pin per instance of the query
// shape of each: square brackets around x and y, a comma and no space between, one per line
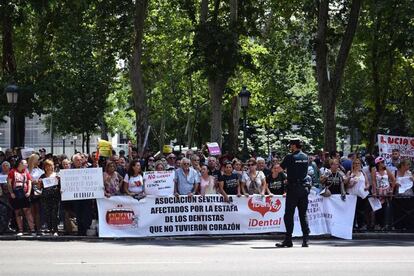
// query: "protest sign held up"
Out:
[77,184]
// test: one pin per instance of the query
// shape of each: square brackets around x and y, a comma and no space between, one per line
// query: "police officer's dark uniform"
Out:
[296,164]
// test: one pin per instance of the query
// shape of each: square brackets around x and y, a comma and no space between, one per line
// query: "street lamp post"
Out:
[244,102]
[74,144]
[12,93]
[63,143]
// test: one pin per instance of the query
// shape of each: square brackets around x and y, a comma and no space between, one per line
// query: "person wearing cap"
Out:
[383,185]
[296,166]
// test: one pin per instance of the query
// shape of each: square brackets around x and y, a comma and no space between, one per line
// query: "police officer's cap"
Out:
[296,141]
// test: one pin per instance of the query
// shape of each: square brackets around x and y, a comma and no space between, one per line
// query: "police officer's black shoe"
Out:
[305,243]
[285,243]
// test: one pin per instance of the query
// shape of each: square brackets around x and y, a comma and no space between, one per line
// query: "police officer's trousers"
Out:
[297,196]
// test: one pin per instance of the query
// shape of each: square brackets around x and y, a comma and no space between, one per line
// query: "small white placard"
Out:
[49,182]
[406,183]
[375,203]
[3,179]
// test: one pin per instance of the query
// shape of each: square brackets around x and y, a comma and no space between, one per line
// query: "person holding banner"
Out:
[206,182]
[187,180]
[229,182]
[254,180]
[82,208]
[357,184]
[50,199]
[296,166]
[133,180]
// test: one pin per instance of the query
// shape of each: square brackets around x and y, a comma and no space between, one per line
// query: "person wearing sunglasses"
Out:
[253,180]
[187,180]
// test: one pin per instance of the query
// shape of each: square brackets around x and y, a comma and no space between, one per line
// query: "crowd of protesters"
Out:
[38,208]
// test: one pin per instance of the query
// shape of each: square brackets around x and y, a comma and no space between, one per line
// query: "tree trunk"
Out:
[9,62]
[216,89]
[161,141]
[137,85]
[9,69]
[234,126]
[329,86]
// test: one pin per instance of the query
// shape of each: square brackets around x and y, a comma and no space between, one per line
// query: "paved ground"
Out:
[205,257]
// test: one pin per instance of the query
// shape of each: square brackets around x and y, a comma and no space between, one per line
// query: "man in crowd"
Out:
[392,164]
[261,166]
[212,168]
[171,162]
[229,182]
[296,166]
[187,180]
[82,208]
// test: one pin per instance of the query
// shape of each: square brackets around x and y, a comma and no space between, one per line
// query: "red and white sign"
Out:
[387,143]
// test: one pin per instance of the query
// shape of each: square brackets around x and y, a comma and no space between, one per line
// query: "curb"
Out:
[271,236]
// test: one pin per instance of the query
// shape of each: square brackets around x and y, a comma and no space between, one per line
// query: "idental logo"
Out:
[120,216]
[268,205]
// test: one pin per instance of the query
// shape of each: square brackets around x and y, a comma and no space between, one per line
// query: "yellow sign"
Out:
[167,149]
[105,148]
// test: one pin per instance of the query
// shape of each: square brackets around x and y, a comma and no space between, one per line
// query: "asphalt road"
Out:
[206,257]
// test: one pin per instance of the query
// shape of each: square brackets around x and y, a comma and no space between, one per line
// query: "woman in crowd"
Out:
[206,182]
[113,181]
[50,198]
[67,206]
[5,169]
[150,164]
[254,180]
[383,185]
[383,181]
[66,164]
[133,181]
[35,173]
[404,178]
[276,181]
[159,166]
[334,179]
[20,184]
[238,168]
[357,181]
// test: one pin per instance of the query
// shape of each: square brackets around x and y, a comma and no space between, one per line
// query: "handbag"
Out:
[19,192]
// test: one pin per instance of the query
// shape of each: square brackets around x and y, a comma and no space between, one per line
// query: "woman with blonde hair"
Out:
[35,173]
[50,198]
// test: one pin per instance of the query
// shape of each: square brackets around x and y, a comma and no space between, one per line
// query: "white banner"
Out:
[77,184]
[387,143]
[123,216]
[160,183]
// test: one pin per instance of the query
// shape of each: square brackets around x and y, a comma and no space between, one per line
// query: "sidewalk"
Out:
[278,236]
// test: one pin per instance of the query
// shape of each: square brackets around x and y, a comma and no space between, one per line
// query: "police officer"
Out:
[296,165]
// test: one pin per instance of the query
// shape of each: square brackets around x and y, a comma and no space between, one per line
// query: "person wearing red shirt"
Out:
[20,185]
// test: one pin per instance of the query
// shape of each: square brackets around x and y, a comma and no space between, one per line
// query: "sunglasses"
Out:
[187,164]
